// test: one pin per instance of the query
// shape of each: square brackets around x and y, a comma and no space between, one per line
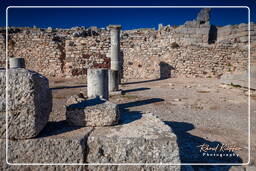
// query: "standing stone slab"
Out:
[97,83]
[93,112]
[146,140]
[29,103]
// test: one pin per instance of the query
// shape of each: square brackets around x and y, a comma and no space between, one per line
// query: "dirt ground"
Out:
[199,111]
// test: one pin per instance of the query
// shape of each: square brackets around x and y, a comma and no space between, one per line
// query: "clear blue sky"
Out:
[128,18]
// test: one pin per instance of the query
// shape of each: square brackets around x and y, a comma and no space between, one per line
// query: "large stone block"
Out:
[29,103]
[92,112]
[145,140]
[58,143]
[240,78]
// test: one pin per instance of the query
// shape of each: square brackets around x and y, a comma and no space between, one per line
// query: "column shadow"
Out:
[136,89]
[190,146]
[127,116]
[165,70]
[67,87]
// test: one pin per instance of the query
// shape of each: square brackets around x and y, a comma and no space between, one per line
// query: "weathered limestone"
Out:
[58,143]
[17,62]
[97,83]
[92,112]
[113,82]
[29,103]
[240,79]
[146,140]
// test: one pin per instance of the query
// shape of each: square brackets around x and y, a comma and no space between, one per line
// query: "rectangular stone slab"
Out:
[145,140]
[58,143]
[240,78]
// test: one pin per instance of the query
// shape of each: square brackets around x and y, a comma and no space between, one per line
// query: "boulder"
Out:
[145,140]
[29,103]
[92,112]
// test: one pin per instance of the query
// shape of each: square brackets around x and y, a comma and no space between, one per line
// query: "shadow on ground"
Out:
[127,116]
[55,128]
[140,103]
[190,145]
[136,89]
[66,87]
[144,81]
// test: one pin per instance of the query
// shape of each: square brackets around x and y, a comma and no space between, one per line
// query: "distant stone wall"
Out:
[195,49]
[145,58]
[2,51]
[41,51]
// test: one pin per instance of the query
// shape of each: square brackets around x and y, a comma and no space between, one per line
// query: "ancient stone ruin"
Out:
[97,130]
[194,49]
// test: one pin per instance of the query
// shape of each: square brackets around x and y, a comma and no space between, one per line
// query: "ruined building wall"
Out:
[151,58]
[2,51]
[83,53]
[41,51]
[191,50]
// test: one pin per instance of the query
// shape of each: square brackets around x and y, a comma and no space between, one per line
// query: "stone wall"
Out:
[195,49]
[2,51]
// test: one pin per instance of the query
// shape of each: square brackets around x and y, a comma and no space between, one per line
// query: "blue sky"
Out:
[128,18]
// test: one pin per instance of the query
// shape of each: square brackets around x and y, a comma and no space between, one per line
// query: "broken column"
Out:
[115,57]
[97,83]
[17,62]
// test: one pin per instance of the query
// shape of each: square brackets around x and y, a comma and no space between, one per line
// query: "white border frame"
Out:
[147,164]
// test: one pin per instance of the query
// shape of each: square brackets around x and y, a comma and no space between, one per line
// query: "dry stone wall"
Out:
[2,51]
[195,49]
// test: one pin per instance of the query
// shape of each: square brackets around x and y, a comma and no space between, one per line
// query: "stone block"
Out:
[240,79]
[58,143]
[92,112]
[29,103]
[145,140]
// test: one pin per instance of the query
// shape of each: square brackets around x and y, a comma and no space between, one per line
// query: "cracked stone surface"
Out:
[29,103]
[146,140]
[92,112]
[58,143]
